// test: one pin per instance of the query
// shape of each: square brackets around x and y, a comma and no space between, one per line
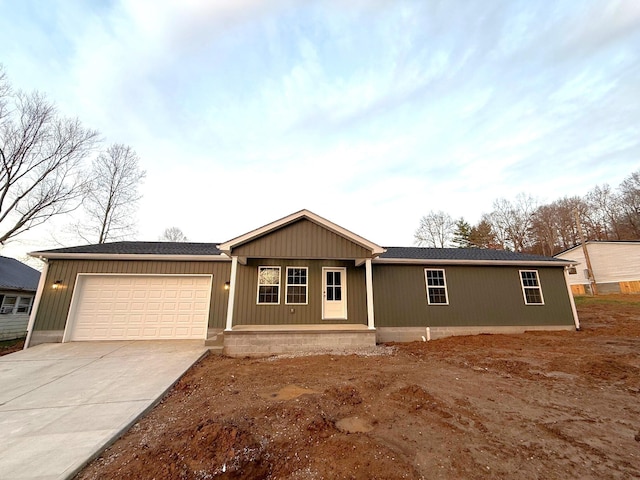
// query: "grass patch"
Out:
[11,343]
[10,346]
[632,300]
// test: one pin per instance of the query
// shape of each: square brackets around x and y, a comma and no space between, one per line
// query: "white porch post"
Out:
[369,282]
[232,292]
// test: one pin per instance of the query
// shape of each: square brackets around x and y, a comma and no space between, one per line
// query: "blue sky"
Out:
[369,113]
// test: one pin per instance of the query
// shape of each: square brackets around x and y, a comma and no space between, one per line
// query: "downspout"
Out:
[36,302]
[576,320]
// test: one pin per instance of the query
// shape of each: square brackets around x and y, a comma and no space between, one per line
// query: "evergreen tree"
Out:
[461,234]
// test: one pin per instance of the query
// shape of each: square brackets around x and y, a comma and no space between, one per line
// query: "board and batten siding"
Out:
[478,296]
[54,305]
[248,312]
[611,262]
[302,239]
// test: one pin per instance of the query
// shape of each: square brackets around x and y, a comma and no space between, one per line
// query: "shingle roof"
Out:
[141,248]
[15,275]
[477,254]
[392,253]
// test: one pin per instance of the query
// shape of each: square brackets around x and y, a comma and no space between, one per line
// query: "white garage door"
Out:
[134,307]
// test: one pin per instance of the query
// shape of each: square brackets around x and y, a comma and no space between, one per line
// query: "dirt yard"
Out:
[531,406]
[10,346]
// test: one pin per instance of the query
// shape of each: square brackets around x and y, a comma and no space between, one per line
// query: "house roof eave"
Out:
[433,261]
[129,256]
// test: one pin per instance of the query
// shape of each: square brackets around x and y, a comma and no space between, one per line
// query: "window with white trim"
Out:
[268,285]
[297,282]
[436,287]
[531,289]
[16,304]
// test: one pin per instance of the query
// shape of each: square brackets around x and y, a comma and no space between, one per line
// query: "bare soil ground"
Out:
[10,346]
[532,406]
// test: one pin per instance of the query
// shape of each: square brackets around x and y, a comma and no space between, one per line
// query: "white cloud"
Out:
[370,113]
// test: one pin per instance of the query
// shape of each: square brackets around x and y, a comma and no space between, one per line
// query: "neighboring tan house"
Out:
[299,283]
[18,284]
[615,265]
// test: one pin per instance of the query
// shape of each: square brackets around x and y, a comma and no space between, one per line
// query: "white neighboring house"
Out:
[18,285]
[615,264]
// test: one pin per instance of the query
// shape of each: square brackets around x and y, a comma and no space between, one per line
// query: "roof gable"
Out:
[302,225]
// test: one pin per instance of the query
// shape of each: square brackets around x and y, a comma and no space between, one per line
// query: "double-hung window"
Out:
[531,289]
[268,285]
[436,287]
[8,304]
[297,282]
[15,304]
[24,304]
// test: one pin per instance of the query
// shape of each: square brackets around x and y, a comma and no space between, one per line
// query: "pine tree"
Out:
[461,234]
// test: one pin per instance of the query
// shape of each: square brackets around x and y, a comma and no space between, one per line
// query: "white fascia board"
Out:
[130,256]
[227,246]
[521,263]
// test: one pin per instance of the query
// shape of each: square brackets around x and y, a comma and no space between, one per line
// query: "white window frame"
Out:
[16,304]
[305,285]
[279,284]
[444,278]
[528,287]
[29,304]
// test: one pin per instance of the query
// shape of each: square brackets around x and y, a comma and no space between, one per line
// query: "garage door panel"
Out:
[134,307]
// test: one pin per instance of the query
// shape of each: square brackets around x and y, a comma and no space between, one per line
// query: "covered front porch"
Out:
[299,284]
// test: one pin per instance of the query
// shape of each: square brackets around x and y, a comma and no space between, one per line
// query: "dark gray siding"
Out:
[302,239]
[483,296]
[248,312]
[54,304]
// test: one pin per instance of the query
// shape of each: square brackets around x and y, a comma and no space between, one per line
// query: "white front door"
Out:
[334,293]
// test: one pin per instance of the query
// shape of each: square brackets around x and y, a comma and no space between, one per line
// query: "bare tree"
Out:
[565,220]
[113,197]
[173,234]
[512,221]
[436,230]
[41,156]
[602,219]
[544,230]
[630,205]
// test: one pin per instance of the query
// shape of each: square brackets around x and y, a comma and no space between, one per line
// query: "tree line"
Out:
[51,165]
[525,225]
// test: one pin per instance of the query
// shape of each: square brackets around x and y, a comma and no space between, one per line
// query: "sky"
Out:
[368,113]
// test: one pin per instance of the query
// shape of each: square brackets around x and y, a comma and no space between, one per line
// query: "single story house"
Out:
[298,283]
[18,284]
[615,266]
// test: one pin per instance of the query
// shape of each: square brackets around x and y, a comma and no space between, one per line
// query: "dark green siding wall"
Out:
[247,312]
[54,304]
[484,296]
[302,239]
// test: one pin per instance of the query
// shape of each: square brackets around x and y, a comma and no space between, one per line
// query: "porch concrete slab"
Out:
[62,404]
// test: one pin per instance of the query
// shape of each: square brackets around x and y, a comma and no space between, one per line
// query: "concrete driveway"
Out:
[61,404]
